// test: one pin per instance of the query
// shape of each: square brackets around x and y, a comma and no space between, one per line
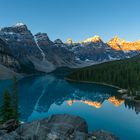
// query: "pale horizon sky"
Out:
[76,19]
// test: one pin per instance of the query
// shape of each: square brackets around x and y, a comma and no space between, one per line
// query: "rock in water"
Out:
[104,135]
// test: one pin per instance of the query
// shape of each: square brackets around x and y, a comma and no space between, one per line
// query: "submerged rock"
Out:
[56,127]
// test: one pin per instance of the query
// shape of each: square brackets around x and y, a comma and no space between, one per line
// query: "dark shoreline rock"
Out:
[9,126]
[104,135]
[57,127]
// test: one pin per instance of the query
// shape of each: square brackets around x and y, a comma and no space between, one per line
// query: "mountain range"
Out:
[23,53]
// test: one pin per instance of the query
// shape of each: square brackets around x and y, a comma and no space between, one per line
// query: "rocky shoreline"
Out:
[90,82]
[56,127]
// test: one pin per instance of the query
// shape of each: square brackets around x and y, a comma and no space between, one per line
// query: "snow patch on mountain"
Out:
[42,53]
[19,24]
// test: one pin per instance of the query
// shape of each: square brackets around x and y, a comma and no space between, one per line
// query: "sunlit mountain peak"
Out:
[69,41]
[117,40]
[95,38]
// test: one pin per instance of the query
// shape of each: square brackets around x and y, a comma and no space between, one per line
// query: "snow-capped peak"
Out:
[19,24]
[96,38]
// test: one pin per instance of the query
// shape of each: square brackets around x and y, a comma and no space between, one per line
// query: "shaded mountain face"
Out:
[43,39]
[20,41]
[37,52]
[6,58]
[55,52]
[9,65]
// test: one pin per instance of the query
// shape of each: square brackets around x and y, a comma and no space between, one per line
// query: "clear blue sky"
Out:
[77,19]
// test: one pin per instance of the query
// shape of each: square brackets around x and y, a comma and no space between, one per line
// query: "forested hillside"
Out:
[123,73]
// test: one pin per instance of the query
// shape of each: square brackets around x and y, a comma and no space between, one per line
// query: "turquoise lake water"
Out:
[44,95]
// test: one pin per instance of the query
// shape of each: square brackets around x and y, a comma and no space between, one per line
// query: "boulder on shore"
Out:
[56,127]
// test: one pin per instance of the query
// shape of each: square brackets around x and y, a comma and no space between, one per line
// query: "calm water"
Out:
[41,96]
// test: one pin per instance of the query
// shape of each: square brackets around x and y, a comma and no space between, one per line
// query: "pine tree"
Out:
[15,99]
[6,109]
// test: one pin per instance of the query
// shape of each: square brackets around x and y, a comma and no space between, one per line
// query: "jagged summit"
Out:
[118,40]
[43,39]
[96,38]
[120,44]
[42,36]
[19,25]
[17,28]
[58,41]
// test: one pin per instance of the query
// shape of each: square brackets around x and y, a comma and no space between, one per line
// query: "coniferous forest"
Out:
[122,73]
[9,108]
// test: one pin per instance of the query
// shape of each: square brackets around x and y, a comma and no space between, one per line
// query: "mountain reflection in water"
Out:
[90,103]
[113,100]
[37,94]
[44,95]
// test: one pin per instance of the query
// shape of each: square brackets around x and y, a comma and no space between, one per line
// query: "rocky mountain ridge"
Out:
[95,49]
[32,49]
[38,53]
[8,63]
[119,44]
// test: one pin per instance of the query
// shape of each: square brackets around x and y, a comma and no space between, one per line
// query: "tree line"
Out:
[122,73]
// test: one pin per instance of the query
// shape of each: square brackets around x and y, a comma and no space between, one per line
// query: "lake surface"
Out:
[44,95]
